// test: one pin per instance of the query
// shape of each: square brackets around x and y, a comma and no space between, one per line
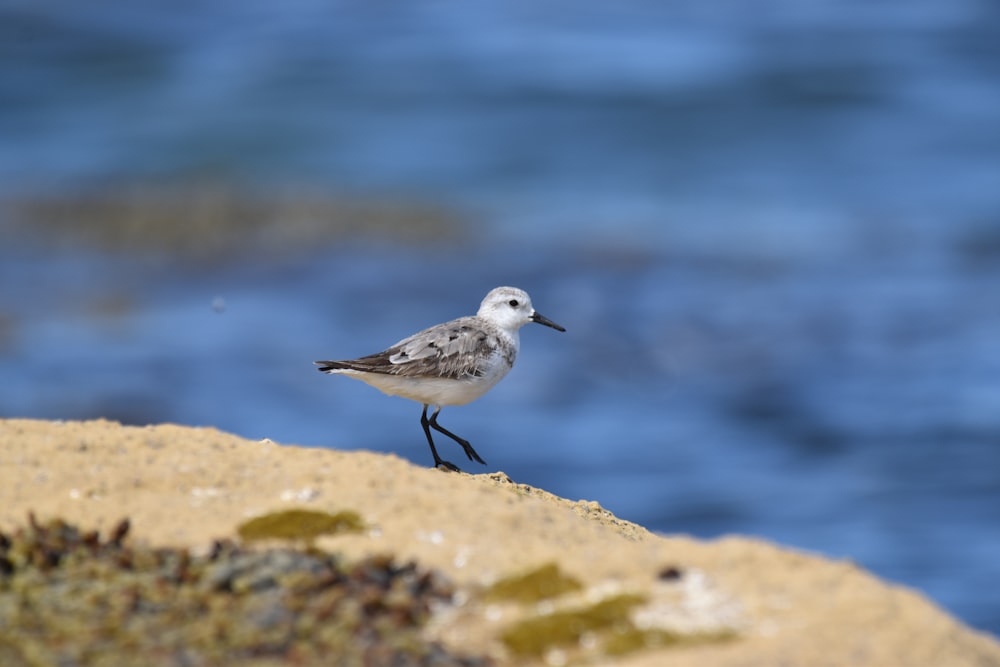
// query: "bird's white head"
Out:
[510,309]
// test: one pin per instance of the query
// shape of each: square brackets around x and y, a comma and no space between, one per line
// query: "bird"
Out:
[452,363]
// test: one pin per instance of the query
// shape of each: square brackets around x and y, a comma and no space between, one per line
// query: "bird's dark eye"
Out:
[513,303]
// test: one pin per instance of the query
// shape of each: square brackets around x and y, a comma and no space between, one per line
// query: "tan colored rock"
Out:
[187,486]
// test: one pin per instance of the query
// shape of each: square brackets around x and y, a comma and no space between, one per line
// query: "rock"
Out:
[642,599]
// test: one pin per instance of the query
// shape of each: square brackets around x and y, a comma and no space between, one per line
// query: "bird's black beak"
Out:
[541,319]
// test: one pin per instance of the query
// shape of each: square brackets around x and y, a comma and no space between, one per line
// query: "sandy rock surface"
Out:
[184,486]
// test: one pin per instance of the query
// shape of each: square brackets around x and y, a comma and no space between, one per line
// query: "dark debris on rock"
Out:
[69,597]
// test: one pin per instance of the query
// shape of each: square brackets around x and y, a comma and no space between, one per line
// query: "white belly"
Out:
[431,390]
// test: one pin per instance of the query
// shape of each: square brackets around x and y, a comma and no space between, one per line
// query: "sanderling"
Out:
[452,363]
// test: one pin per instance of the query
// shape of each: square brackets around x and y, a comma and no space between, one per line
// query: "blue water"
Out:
[771,229]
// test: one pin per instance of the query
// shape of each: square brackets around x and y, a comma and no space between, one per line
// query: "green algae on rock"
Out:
[299,524]
[542,583]
[608,621]
[534,636]
[638,639]
[70,597]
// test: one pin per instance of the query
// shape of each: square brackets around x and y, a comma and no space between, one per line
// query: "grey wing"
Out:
[456,349]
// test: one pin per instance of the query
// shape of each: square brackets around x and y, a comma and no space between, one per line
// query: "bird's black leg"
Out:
[438,461]
[469,451]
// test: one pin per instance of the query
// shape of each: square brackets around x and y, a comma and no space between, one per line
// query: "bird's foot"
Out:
[470,452]
[432,422]
[447,466]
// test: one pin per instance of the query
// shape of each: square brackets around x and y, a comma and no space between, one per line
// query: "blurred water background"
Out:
[771,228]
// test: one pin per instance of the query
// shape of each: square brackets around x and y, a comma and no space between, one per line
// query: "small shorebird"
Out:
[452,363]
